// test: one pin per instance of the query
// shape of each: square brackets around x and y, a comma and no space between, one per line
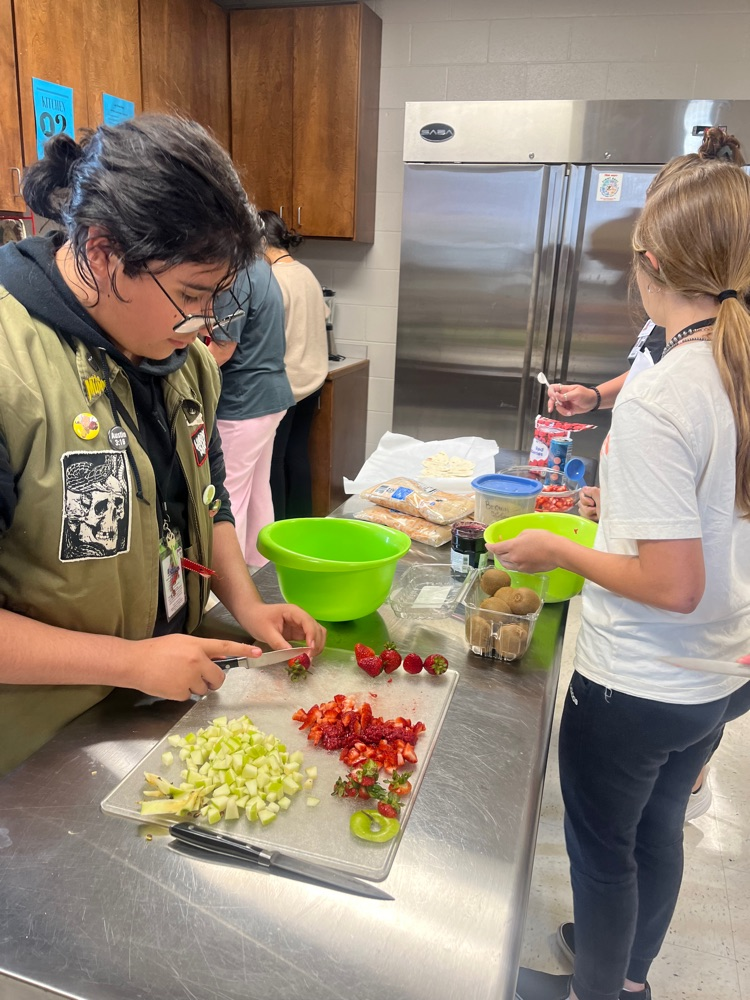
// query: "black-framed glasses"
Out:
[195,322]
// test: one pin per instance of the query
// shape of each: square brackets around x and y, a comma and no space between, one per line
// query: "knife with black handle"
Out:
[220,843]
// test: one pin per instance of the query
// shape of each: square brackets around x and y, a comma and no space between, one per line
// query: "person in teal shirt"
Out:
[255,395]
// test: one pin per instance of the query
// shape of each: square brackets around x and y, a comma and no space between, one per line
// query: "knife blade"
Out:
[735,668]
[264,660]
[219,843]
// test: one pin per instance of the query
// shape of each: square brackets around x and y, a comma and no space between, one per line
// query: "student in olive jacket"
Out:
[113,510]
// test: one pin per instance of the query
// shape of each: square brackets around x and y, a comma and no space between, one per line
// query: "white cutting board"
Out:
[268,697]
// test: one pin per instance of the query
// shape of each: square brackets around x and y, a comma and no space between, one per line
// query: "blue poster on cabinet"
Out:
[116,110]
[53,111]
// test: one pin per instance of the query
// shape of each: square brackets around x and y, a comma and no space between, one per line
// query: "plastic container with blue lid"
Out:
[499,495]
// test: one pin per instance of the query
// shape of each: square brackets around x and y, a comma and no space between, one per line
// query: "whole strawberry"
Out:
[362,652]
[298,666]
[412,663]
[372,665]
[435,664]
[391,657]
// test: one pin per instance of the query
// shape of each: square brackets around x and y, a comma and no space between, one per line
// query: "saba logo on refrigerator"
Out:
[437,132]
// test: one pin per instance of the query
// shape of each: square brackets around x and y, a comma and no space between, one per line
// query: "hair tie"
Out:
[728,293]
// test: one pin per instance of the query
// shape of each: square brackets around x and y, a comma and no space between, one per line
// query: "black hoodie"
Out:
[29,273]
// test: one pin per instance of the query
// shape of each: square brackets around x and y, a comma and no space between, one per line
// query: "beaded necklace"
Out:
[689,331]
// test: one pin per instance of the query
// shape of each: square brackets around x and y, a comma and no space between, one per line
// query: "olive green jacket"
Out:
[82,552]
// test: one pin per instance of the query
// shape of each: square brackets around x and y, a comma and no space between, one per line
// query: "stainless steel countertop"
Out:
[93,909]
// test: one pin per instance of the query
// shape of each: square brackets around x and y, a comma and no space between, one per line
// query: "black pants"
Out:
[627,767]
[291,484]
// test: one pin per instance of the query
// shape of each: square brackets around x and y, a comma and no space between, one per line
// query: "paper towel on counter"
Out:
[401,455]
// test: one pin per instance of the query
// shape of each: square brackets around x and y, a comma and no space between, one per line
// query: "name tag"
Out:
[172,575]
[642,338]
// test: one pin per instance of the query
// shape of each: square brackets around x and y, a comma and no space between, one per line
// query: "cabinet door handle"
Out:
[281,211]
[17,172]
[299,215]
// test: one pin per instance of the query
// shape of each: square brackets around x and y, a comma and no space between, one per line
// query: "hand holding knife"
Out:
[265,659]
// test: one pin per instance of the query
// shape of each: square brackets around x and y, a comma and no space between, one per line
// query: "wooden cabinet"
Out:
[185,61]
[10,120]
[305,93]
[49,46]
[338,434]
[89,45]
[113,57]
[261,73]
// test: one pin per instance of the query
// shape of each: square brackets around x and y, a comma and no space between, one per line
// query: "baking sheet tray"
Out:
[269,698]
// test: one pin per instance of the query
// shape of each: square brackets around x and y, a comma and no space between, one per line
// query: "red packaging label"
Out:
[545,428]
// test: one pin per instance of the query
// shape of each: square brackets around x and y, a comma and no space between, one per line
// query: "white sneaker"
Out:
[700,801]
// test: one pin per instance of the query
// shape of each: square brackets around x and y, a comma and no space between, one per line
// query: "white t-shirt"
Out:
[668,471]
[306,355]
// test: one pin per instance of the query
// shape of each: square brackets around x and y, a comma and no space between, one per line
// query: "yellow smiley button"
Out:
[86,426]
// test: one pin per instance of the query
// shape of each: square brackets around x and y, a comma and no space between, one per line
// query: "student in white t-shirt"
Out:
[665,580]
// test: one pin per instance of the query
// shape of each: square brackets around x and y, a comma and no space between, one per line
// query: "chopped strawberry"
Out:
[435,664]
[412,663]
[386,809]
[362,652]
[372,665]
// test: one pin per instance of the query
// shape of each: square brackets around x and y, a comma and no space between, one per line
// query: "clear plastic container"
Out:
[498,495]
[427,592]
[561,496]
[498,634]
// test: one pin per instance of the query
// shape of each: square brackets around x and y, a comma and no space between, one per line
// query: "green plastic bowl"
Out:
[562,583]
[336,569]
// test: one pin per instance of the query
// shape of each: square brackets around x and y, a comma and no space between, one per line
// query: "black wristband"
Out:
[598,399]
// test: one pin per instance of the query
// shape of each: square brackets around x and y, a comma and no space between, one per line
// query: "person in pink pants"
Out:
[255,395]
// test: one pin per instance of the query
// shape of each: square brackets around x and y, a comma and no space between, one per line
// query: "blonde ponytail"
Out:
[731,347]
[696,223]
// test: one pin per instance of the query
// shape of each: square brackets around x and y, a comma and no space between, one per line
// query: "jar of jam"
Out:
[468,548]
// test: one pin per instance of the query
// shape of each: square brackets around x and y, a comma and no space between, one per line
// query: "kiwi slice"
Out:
[492,580]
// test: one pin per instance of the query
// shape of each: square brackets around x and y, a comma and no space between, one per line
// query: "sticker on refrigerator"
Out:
[610,187]
[53,111]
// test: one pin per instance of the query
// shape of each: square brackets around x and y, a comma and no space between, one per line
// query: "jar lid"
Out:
[468,529]
[501,485]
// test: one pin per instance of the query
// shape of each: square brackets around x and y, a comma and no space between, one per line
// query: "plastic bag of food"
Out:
[416,528]
[407,496]
[545,428]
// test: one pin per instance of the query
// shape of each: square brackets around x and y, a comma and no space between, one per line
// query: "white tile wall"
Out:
[436,50]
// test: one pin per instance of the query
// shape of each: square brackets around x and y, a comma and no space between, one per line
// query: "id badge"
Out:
[172,576]
[642,338]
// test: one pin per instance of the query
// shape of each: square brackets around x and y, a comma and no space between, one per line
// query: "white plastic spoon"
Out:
[541,377]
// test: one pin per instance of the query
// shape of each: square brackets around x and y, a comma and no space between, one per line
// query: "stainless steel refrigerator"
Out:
[515,253]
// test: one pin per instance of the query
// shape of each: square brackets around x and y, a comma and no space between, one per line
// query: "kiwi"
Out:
[512,641]
[496,604]
[524,601]
[492,580]
[479,632]
[505,594]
